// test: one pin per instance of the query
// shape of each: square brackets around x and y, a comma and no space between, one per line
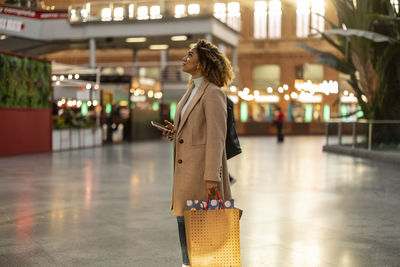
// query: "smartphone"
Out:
[159,126]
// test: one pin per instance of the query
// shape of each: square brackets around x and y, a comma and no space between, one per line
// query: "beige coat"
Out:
[199,146]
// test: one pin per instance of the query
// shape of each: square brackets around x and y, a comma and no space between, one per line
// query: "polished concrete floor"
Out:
[109,206]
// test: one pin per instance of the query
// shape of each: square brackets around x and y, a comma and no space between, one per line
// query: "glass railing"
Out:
[367,134]
[227,12]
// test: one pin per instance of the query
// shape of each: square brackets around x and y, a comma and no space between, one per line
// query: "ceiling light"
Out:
[179,38]
[136,39]
[158,47]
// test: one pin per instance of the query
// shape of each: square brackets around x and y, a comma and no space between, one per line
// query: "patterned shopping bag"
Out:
[213,236]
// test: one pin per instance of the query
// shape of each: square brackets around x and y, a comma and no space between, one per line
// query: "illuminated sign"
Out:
[331,87]
[267,99]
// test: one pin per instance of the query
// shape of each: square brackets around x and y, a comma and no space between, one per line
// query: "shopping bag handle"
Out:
[219,198]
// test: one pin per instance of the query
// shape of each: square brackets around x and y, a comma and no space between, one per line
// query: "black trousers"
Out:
[279,125]
[182,239]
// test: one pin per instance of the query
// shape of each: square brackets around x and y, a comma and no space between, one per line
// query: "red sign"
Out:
[33,14]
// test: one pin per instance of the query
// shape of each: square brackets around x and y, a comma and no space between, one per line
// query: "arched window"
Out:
[267,13]
[309,18]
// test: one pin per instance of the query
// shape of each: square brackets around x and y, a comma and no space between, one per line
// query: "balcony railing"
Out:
[140,10]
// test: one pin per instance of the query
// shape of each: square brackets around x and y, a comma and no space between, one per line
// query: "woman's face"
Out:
[190,63]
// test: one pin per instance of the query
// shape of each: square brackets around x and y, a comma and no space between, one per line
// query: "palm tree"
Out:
[367,38]
[368,45]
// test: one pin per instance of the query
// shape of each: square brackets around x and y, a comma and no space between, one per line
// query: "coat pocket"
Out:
[199,134]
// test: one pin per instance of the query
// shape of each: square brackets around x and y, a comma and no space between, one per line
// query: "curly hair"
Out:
[215,66]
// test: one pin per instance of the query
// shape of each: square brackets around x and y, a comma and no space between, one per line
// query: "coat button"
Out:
[181,141]
[180,161]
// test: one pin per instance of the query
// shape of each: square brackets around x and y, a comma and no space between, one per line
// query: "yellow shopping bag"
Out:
[213,237]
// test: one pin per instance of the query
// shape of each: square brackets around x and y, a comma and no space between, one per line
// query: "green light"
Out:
[270,113]
[327,112]
[84,109]
[343,111]
[156,106]
[108,108]
[290,112]
[133,105]
[243,112]
[172,110]
[360,113]
[308,113]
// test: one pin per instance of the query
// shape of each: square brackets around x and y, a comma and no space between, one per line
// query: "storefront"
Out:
[306,105]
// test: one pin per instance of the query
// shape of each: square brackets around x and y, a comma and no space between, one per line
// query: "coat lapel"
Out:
[179,107]
[192,104]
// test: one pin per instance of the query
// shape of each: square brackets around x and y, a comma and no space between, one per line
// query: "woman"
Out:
[199,132]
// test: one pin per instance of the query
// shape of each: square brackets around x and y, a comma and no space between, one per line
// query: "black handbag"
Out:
[232,144]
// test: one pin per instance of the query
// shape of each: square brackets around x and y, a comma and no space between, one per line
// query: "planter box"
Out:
[25,130]
[67,139]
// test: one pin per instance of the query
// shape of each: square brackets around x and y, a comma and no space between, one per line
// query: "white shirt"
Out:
[197,83]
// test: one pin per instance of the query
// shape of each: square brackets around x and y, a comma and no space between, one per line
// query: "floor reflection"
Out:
[109,206]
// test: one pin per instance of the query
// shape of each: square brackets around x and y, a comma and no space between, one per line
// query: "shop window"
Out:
[265,76]
[143,13]
[194,9]
[149,72]
[155,12]
[308,20]
[271,10]
[180,11]
[314,72]
[220,11]
[234,15]
[260,112]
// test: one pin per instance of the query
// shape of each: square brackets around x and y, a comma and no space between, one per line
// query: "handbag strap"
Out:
[219,198]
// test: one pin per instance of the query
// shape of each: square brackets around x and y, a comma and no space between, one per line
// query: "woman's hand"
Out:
[169,133]
[211,187]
